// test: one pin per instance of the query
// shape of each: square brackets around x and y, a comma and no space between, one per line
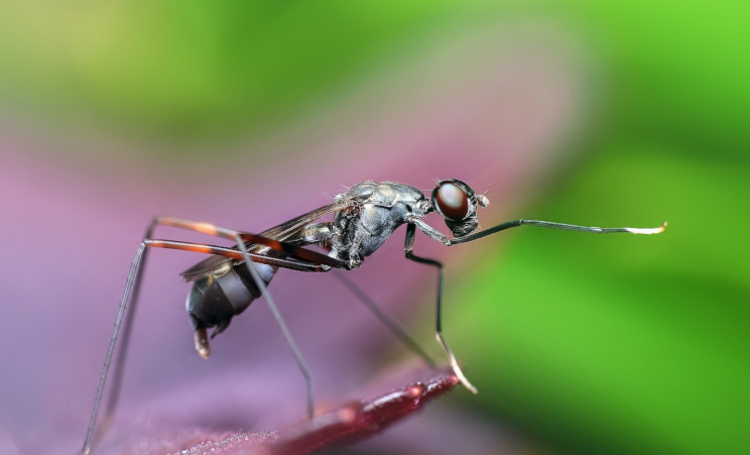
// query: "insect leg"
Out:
[131,286]
[122,353]
[125,341]
[384,318]
[301,266]
[301,253]
[298,252]
[132,276]
[550,225]
[321,233]
[134,285]
[408,247]
[288,248]
[280,321]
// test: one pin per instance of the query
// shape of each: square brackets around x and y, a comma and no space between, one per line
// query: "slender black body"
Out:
[364,217]
[372,212]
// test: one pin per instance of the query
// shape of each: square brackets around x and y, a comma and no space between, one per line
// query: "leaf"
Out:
[350,423]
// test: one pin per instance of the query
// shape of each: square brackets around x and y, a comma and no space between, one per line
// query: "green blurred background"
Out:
[588,344]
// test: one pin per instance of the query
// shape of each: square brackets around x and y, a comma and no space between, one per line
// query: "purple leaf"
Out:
[359,420]
[351,422]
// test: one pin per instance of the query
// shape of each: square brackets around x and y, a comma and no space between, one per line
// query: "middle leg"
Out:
[392,325]
[282,325]
[408,247]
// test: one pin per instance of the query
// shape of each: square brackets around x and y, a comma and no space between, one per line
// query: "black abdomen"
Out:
[215,299]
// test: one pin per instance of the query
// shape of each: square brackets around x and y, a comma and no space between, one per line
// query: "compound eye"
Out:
[452,201]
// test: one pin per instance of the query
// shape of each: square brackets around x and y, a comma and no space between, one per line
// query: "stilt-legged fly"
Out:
[226,283]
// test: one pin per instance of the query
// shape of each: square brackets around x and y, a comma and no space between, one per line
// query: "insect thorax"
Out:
[375,211]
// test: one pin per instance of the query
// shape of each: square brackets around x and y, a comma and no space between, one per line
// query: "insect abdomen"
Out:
[215,299]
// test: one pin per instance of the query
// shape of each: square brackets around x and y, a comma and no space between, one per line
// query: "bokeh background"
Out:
[249,113]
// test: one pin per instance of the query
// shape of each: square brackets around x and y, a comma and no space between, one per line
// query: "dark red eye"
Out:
[452,202]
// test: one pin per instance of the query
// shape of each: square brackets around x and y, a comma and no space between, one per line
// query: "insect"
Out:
[365,216]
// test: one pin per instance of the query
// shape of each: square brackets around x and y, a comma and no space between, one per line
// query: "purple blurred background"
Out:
[489,108]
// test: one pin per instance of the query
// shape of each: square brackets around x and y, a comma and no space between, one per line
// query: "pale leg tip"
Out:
[460,375]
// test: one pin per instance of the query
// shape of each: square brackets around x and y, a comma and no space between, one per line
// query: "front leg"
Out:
[408,247]
[434,234]
[428,230]
[551,225]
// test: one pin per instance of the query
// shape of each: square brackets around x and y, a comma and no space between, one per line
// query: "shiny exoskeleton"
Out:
[364,217]
[371,212]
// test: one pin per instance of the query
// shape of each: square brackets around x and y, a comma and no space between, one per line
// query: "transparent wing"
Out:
[280,232]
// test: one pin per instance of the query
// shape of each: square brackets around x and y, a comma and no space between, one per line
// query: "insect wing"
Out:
[280,232]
